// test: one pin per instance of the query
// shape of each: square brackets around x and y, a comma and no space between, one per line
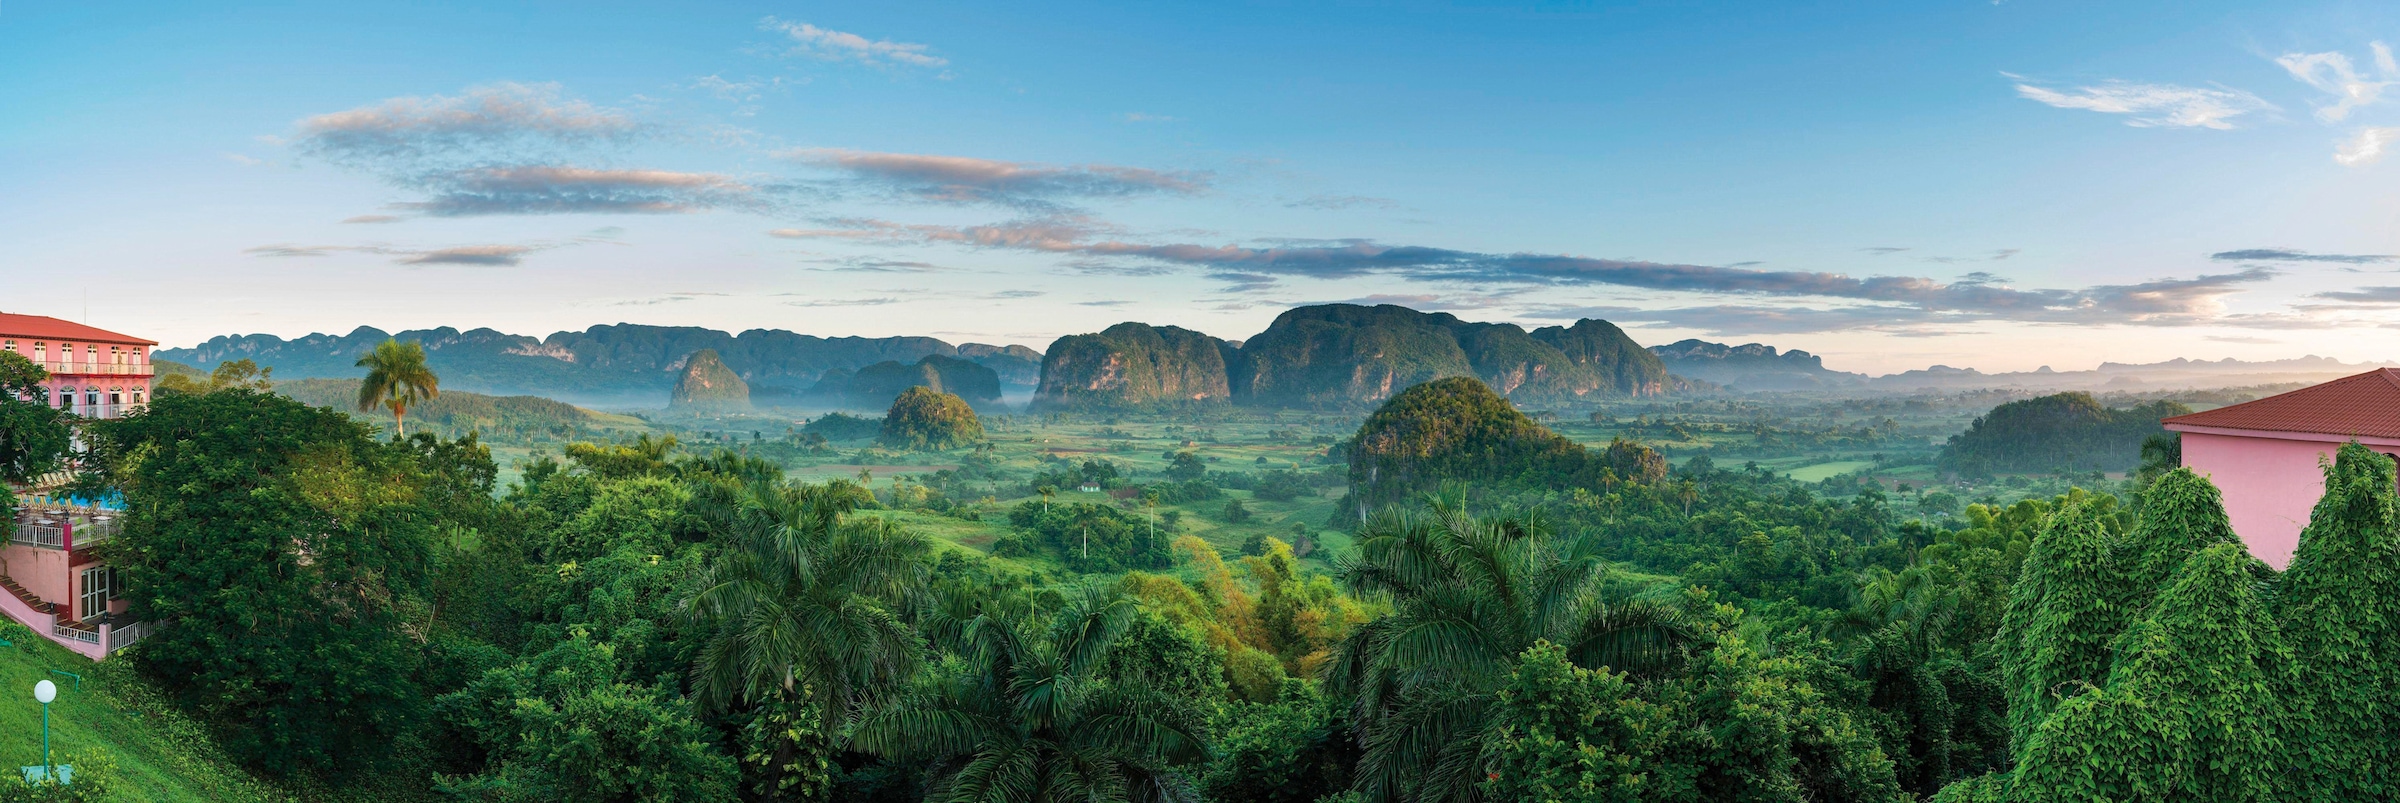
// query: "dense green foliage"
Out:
[639,623]
[34,437]
[1458,430]
[396,378]
[924,418]
[292,553]
[2070,431]
[843,427]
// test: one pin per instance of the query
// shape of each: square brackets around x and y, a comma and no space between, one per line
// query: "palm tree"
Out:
[396,378]
[1030,720]
[803,598]
[1468,596]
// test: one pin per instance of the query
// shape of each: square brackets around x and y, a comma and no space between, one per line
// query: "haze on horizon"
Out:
[1998,185]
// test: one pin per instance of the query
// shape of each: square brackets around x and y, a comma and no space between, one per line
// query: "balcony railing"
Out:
[73,368]
[52,535]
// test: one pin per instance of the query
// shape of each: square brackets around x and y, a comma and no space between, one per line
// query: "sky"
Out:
[1997,185]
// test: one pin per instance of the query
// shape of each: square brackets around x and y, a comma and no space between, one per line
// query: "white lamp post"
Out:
[44,692]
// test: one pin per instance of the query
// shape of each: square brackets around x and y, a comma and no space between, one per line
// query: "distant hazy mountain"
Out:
[624,364]
[1135,364]
[1752,366]
[2170,375]
[1343,355]
[1759,367]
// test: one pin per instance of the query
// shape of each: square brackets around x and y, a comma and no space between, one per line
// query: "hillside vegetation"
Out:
[1458,430]
[457,412]
[2070,431]
[924,418]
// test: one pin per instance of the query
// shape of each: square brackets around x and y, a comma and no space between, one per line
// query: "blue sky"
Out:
[1998,185]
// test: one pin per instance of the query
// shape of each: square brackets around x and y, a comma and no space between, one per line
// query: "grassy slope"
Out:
[159,755]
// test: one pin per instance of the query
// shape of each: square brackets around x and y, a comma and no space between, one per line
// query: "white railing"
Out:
[114,638]
[78,634]
[54,536]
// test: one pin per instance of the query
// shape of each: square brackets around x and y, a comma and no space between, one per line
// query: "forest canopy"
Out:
[2065,431]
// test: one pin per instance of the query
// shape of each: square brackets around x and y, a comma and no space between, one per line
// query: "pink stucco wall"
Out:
[2271,480]
[41,571]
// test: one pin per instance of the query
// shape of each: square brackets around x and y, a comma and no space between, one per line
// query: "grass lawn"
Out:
[159,755]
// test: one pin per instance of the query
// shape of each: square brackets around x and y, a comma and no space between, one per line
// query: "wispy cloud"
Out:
[1338,202]
[2152,105]
[470,255]
[1016,294]
[1141,117]
[487,255]
[1107,303]
[812,41]
[2364,295]
[2365,147]
[2333,74]
[2296,255]
[1882,250]
[244,160]
[844,302]
[373,219]
[965,179]
[480,121]
[1977,297]
[548,189]
[2255,341]
[2005,253]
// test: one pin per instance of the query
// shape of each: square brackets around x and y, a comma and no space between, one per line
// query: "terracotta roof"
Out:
[2366,405]
[44,327]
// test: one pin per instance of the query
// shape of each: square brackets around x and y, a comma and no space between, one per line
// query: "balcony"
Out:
[51,532]
[68,368]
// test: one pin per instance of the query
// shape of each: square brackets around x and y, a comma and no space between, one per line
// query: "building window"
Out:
[91,397]
[9,345]
[98,588]
[66,399]
[116,396]
[39,349]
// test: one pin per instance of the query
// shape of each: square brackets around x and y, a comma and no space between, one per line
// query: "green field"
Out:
[1823,471]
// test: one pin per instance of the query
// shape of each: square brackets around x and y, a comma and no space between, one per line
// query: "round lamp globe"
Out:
[45,691]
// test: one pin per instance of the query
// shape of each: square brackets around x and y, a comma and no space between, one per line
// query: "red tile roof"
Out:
[42,327]
[2366,405]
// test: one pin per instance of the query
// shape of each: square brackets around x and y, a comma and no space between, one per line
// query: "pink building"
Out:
[53,580]
[2264,454]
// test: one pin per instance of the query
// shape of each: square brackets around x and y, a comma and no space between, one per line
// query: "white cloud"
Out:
[245,161]
[2333,73]
[838,46]
[2153,105]
[2366,147]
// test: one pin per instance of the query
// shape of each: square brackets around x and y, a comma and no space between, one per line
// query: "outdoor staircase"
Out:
[28,598]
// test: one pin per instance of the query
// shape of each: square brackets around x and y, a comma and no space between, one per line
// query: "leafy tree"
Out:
[564,725]
[1027,714]
[2337,609]
[2066,607]
[1085,537]
[924,418]
[2072,431]
[242,373]
[1567,733]
[34,437]
[2190,712]
[283,553]
[1468,597]
[1186,466]
[1235,513]
[2182,513]
[396,378]
[1295,748]
[802,597]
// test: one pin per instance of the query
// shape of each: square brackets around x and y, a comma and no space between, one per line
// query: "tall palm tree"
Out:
[804,598]
[1030,720]
[1468,596]
[396,378]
